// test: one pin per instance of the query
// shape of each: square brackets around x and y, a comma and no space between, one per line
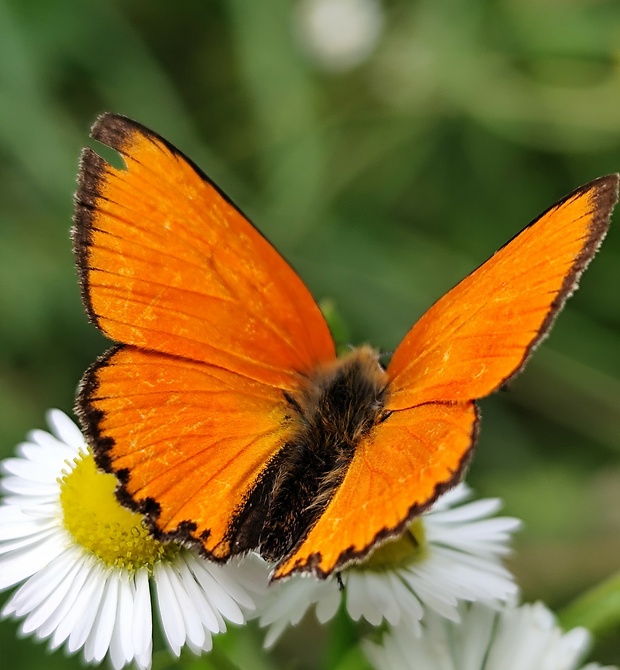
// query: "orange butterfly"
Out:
[226,415]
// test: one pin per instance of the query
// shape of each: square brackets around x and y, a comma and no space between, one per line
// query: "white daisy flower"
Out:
[520,638]
[451,553]
[87,563]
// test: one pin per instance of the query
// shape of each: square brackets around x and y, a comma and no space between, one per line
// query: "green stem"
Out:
[597,609]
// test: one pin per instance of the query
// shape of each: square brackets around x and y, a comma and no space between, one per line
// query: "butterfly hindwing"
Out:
[396,473]
[188,441]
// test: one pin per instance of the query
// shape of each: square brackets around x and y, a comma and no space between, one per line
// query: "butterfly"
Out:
[223,409]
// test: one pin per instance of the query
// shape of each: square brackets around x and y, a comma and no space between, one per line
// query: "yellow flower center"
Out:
[403,550]
[97,521]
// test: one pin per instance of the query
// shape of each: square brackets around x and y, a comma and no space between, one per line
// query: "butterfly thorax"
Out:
[334,410]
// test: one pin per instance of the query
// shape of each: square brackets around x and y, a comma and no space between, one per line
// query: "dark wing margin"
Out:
[605,198]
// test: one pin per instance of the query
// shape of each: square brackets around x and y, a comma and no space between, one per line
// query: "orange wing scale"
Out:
[219,335]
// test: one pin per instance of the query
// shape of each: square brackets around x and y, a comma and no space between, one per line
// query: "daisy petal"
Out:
[512,638]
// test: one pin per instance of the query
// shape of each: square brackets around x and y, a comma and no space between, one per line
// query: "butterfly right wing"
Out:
[187,441]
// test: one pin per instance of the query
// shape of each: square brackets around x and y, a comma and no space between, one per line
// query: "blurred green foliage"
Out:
[383,185]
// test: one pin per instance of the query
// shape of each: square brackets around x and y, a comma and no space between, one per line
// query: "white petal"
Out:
[253,576]
[274,632]
[232,576]
[192,616]
[207,576]
[287,602]
[25,563]
[15,551]
[34,471]
[35,506]
[45,582]
[73,605]
[98,640]
[169,610]
[25,487]
[380,602]
[142,623]
[64,429]
[54,455]
[43,617]
[199,599]
[428,583]
[91,597]
[55,448]
[396,593]
[479,509]
[121,644]
[452,497]
[474,635]
[15,523]
[328,604]
[356,596]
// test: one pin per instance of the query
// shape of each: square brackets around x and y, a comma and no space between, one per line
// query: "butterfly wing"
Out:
[168,263]
[478,336]
[215,329]
[403,465]
[188,441]
[470,342]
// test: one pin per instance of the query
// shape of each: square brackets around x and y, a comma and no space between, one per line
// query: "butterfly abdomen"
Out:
[339,405]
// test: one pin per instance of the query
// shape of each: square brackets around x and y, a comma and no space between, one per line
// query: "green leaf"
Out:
[597,609]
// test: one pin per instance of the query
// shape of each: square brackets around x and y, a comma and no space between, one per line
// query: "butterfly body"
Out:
[335,408]
[224,412]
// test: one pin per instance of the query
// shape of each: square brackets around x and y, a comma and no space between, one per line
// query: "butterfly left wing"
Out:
[479,335]
[470,342]
[215,330]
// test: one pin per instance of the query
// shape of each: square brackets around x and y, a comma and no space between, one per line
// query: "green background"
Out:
[383,185]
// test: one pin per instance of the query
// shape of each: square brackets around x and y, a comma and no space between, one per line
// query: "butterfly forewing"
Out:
[478,335]
[168,263]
